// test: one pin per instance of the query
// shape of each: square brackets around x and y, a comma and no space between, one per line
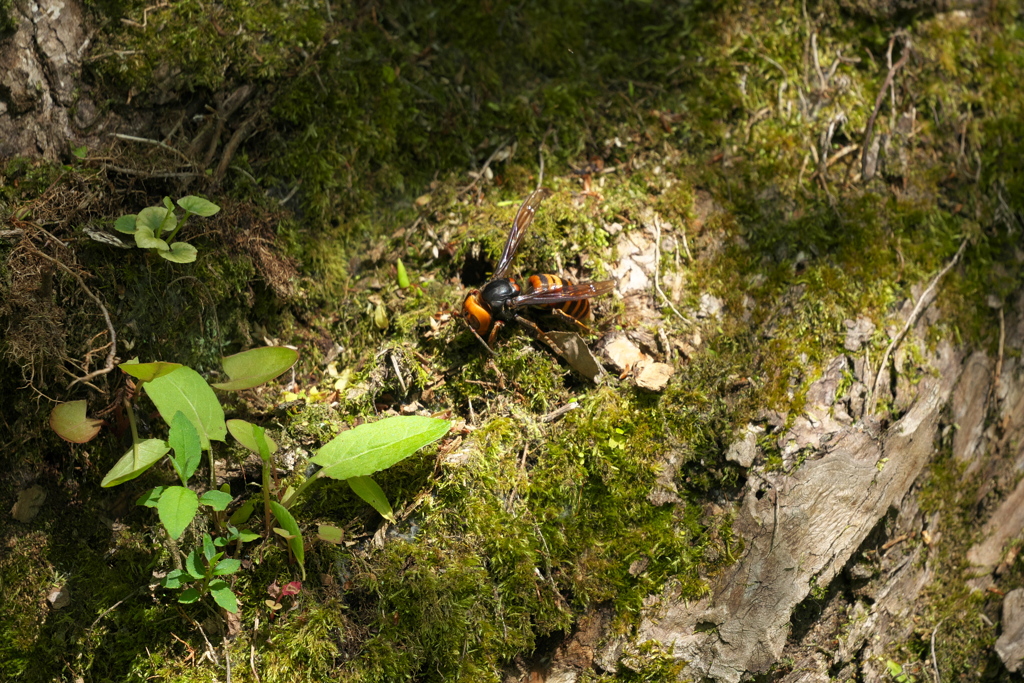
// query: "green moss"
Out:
[8,21]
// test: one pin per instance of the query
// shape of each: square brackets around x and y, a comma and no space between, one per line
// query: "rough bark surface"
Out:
[801,529]
[40,67]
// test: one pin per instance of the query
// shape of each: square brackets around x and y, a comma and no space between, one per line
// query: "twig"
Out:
[398,372]
[146,174]
[870,128]
[232,146]
[540,174]
[132,138]
[289,195]
[227,661]
[555,414]
[999,361]
[112,354]
[487,164]
[113,607]
[11,233]
[922,303]
[935,663]
[657,268]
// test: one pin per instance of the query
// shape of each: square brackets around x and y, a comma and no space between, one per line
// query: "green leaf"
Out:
[256,366]
[126,224]
[71,424]
[152,217]
[218,500]
[287,522]
[80,152]
[227,566]
[330,533]
[198,206]
[209,547]
[367,489]
[145,239]
[173,579]
[151,497]
[245,433]
[223,596]
[403,277]
[188,596]
[242,514]
[177,508]
[377,445]
[184,439]
[185,390]
[150,451]
[147,371]
[248,536]
[180,252]
[194,565]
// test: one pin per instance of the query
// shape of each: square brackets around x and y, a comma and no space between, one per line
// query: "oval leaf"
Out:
[223,596]
[367,489]
[180,252]
[125,224]
[152,218]
[71,424]
[184,439]
[177,508]
[287,522]
[148,371]
[403,277]
[145,239]
[256,366]
[218,500]
[378,445]
[150,451]
[244,433]
[185,390]
[330,533]
[198,205]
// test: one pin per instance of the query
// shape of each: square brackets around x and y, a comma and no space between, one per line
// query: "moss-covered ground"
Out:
[369,127]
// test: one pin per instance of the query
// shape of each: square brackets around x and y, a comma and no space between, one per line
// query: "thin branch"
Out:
[112,354]
[870,128]
[935,663]
[146,174]
[922,303]
[132,138]
[487,164]
[657,268]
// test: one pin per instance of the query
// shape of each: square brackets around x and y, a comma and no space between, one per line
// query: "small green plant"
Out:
[193,413]
[204,570]
[898,673]
[151,224]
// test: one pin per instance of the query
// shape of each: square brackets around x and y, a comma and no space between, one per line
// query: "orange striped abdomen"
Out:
[552,283]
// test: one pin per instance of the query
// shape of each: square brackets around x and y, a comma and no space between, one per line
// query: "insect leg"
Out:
[559,313]
[540,334]
[477,335]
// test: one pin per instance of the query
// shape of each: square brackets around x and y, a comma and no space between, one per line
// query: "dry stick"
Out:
[110,325]
[146,174]
[398,373]
[559,412]
[869,129]
[1002,348]
[922,303]
[132,138]
[935,663]
[229,149]
[486,165]
[657,267]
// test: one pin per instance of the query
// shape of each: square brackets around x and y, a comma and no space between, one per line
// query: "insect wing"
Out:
[583,290]
[519,225]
